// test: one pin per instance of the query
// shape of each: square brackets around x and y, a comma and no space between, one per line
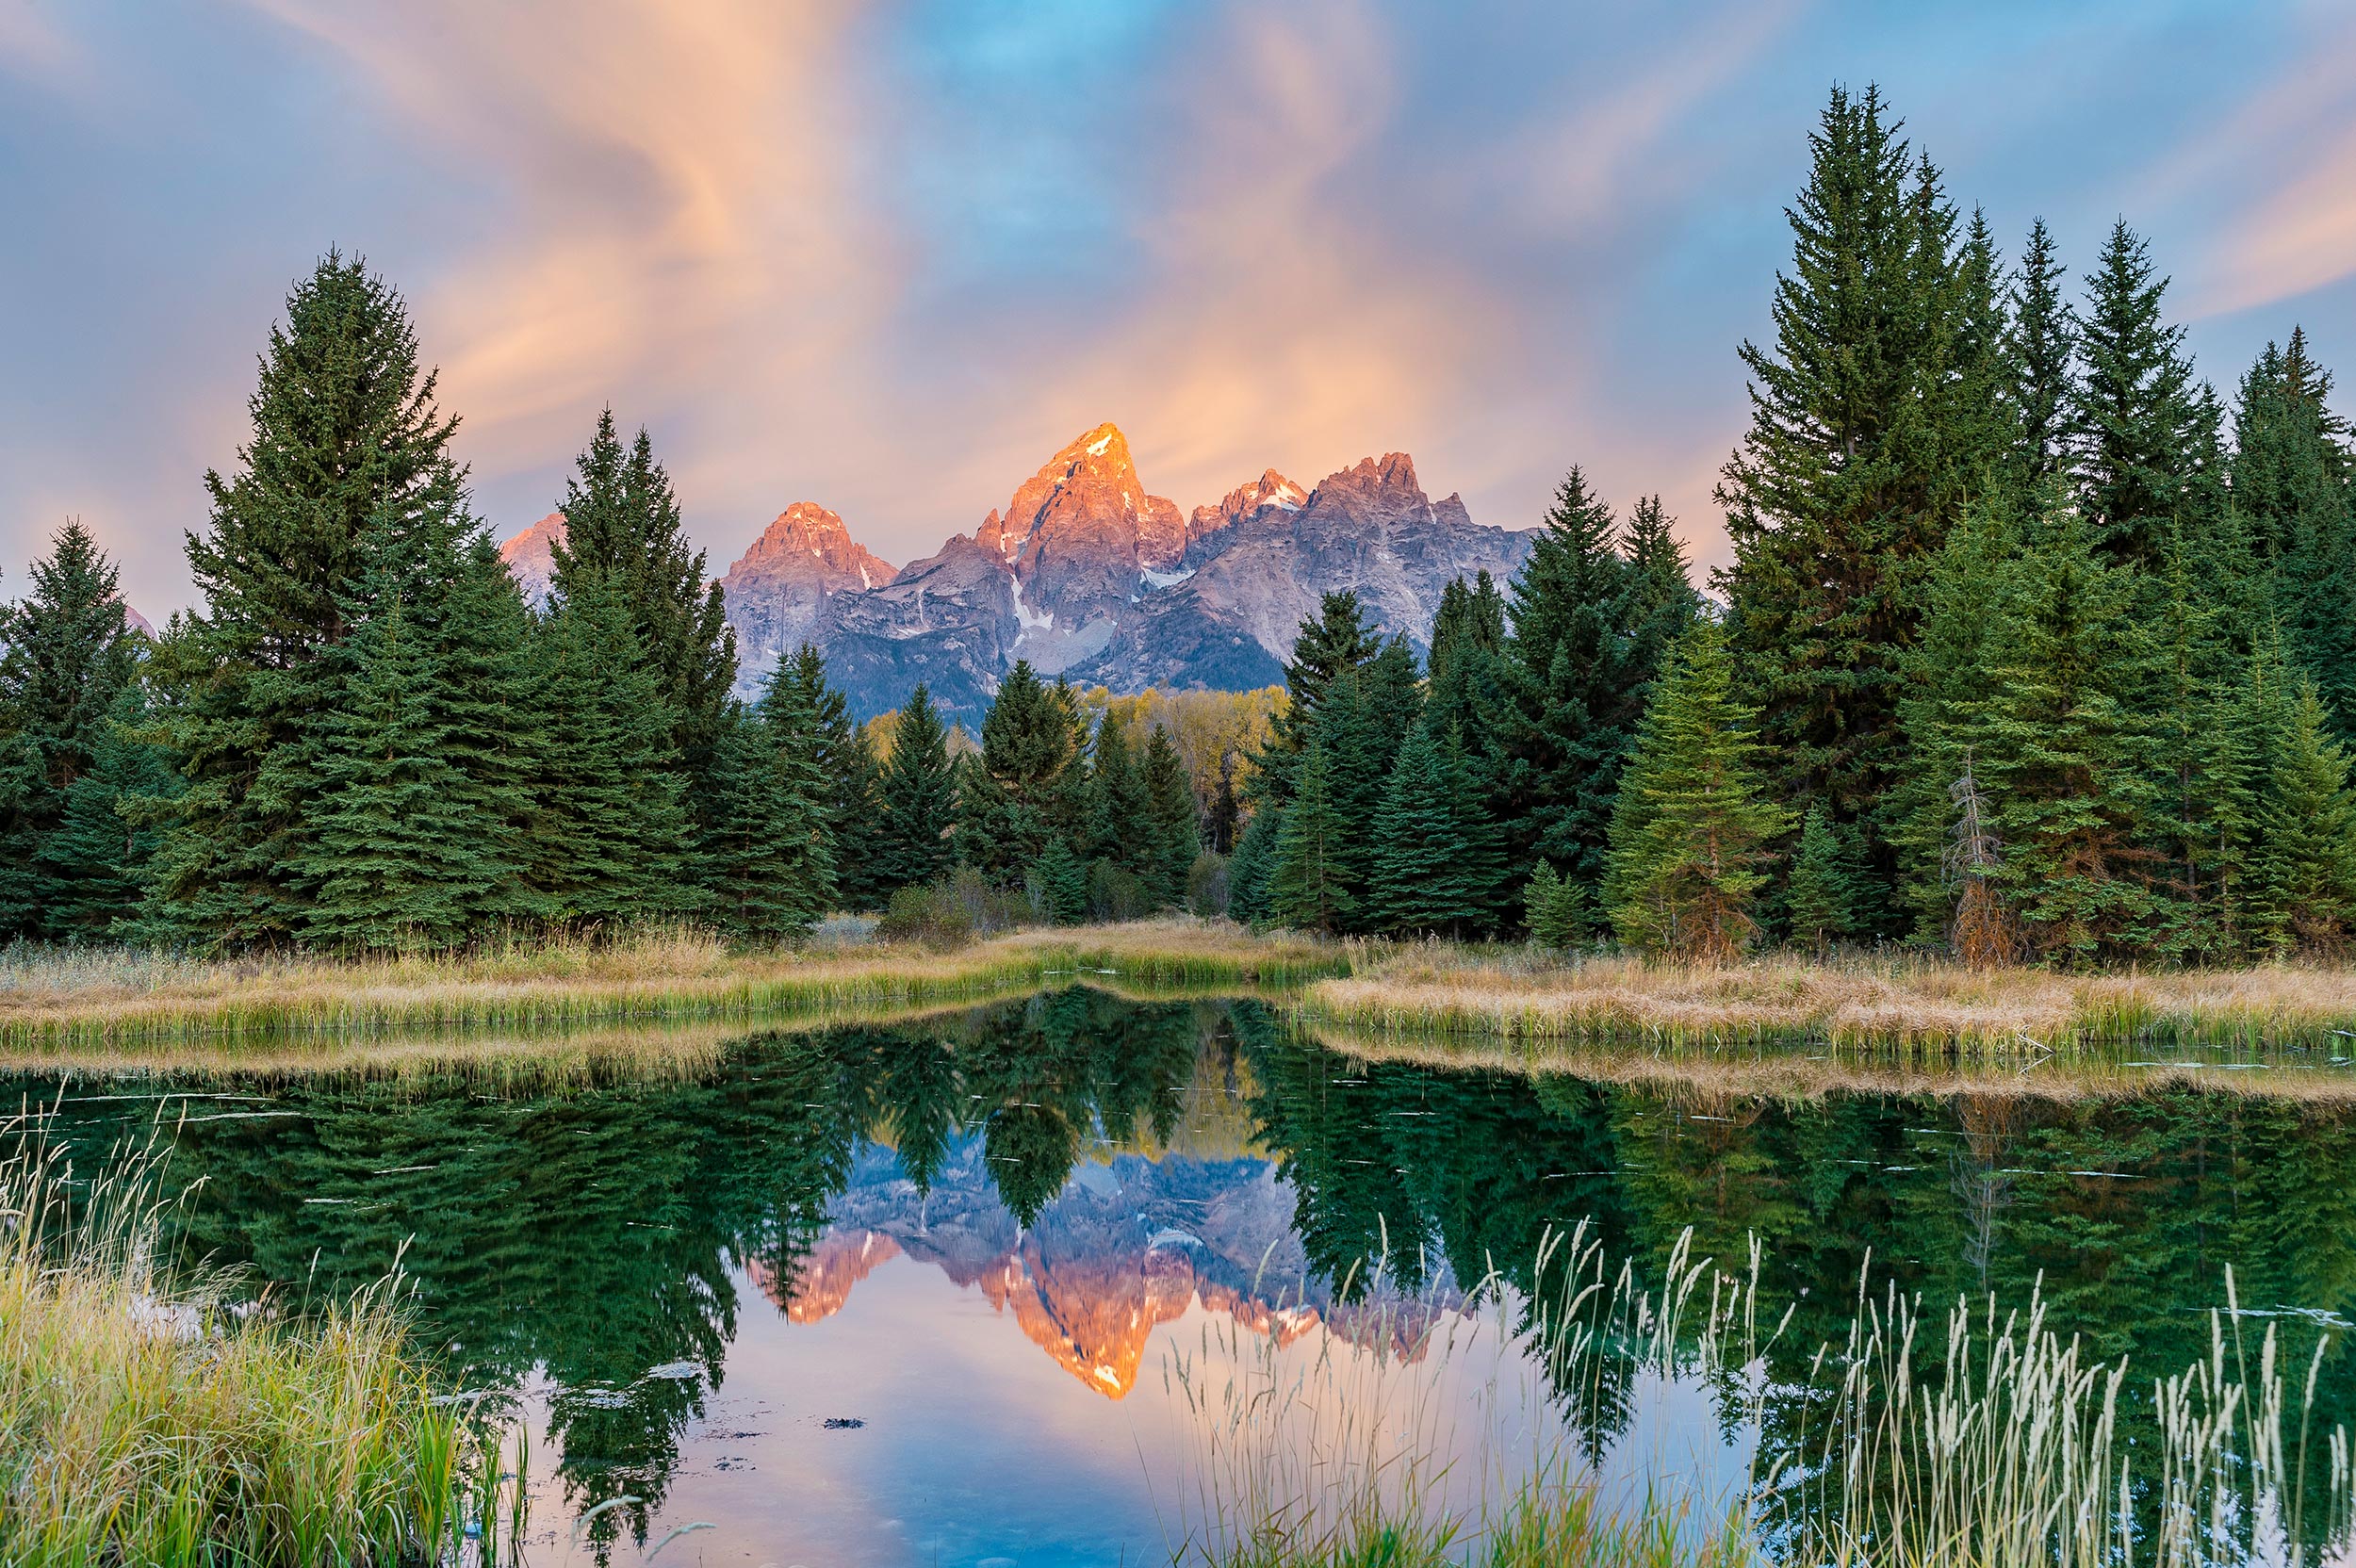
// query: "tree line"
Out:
[2032,646]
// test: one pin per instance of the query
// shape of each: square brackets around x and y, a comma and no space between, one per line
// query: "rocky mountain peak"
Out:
[530,555]
[1271,489]
[775,588]
[807,531]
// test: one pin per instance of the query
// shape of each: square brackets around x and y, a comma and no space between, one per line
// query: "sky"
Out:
[890,257]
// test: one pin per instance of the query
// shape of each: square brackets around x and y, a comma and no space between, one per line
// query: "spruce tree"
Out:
[848,784]
[94,867]
[1063,880]
[766,852]
[1306,884]
[66,658]
[1116,802]
[2040,347]
[1555,910]
[394,859]
[1253,865]
[1817,898]
[623,529]
[1862,450]
[1023,787]
[1177,837]
[1694,823]
[2291,474]
[2065,752]
[1434,863]
[2305,876]
[2135,427]
[1592,622]
[918,799]
[1337,642]
[610,838]
[345,436]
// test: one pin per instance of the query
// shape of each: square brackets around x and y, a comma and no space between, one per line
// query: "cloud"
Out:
[2292,233]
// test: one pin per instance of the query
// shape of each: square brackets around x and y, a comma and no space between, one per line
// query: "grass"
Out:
[145,1421]
[2008,1454]
[54,1001]
[1895,1006]
[1700,1074]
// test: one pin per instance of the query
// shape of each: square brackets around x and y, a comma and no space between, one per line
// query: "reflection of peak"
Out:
[823,1280]
[1123,1250]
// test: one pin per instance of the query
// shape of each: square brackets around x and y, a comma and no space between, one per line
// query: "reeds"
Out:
[1889,1005]
[2002,1450]
[144,1420]
[55,1000]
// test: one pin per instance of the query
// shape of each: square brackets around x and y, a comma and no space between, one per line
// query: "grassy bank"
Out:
[1896,1007]
[52,1001]
[142,1421]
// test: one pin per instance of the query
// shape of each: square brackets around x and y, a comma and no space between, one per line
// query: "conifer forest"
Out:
[2036,646]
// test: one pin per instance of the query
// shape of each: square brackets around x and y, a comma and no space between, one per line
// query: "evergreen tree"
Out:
[847,785]
[2040,345]
[66,658]
[609,837]
[1176,839]
[1556,911]
[1253,865]
[1949,669]
[919,794]
[429,688]
[1116,802]
[2305,876]
[346,439]
[766,852]
[1062,881]
[623,530]
[1817,899]
[2136,422]
[1861,451]
[394,858]
[1023,787]
[1306,887]
[1592,625]
[94,867]
[2291,485]
[1434,861]
[1337,642]
[2064,753]
[1691,832]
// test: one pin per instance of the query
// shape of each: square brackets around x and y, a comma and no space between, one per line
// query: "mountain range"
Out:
[1090,576]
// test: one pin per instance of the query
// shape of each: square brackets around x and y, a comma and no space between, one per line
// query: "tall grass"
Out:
[145,1420]
[1890,1005]
[2003,1449]
[55,1000]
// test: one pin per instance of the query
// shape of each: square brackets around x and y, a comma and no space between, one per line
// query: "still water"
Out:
[911,1294]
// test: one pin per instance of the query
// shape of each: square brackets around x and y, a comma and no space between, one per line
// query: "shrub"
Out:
[1206,885]
[953,909]
[1116,894]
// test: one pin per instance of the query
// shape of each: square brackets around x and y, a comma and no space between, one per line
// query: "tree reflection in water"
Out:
[1096,1165]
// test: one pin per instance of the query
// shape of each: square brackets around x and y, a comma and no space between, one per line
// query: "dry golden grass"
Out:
[1905,1005]
[1711,1077]
[58,1003]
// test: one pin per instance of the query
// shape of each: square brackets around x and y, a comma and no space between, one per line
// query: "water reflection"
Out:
[1092,1170]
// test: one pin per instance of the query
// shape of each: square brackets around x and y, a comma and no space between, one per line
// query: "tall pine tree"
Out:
[912,842]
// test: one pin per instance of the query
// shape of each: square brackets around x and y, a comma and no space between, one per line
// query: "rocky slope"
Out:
[531,556]
[776,589]
[1230,621]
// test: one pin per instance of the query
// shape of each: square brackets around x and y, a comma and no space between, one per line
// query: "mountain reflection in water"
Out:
[715,1251]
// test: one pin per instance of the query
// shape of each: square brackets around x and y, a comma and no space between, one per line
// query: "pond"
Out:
[914,1292]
